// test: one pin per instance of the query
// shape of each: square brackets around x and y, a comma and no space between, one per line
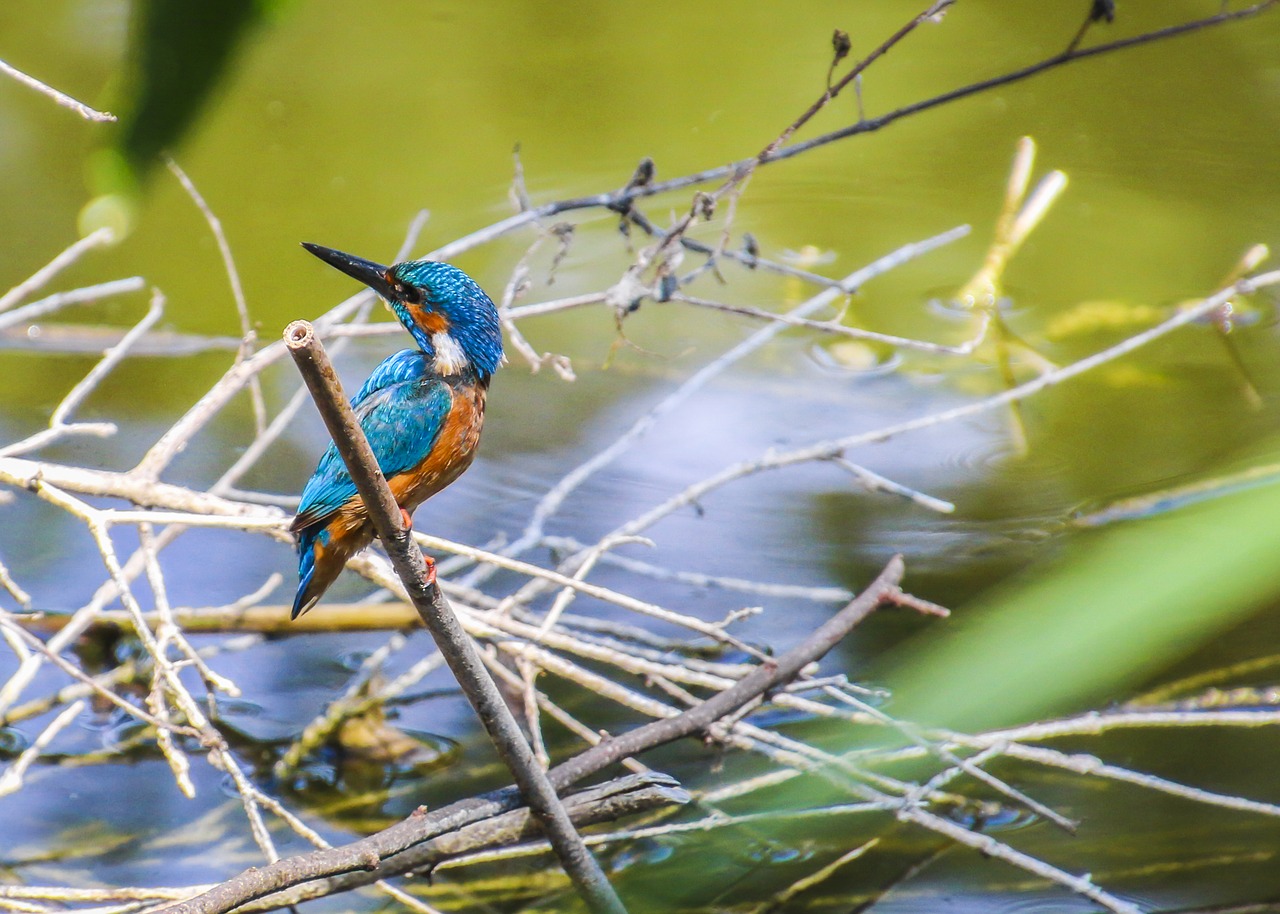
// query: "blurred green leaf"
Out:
[1117,606]
[180,52]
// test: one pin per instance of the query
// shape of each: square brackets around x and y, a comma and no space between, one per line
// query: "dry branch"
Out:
[622,797]
[368,853]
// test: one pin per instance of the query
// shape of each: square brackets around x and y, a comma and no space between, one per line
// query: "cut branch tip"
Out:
[299,334]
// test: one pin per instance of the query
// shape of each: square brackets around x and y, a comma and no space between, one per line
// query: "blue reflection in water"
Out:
[643,851]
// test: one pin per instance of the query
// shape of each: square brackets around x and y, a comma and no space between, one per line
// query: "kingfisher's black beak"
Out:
[373,275]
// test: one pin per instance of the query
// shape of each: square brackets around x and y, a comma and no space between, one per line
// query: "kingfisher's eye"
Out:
[406,292]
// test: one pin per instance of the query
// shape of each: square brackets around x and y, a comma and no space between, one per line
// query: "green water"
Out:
[337,125]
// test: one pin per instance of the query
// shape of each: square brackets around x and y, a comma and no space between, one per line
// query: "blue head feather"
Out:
[440,290]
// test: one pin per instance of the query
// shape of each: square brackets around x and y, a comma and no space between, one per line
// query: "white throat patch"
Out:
[450,359]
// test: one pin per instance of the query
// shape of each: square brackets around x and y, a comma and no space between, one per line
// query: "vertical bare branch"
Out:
[454,643]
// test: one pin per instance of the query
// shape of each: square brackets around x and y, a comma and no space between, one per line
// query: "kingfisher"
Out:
[422,410]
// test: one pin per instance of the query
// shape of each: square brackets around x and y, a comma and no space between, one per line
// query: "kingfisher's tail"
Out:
[317,569]
[323,550]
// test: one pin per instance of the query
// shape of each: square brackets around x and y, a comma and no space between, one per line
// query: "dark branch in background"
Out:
[1035,69]
[454,643]
[614,199]
[363,859]
[1098,10]
[858,69]
[704,204]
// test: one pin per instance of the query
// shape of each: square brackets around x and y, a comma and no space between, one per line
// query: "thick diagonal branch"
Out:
[454,643]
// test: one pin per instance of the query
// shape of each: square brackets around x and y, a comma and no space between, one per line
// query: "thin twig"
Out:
[830,326]
[247,334]
[96,239]
[59,424]
[59,300]
[11,780]
[66,101]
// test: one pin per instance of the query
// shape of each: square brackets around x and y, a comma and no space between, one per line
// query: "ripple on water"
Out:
[991,817]
[644,851]
[1035,486]
[773,853]
[12,742]
[126,734]
[943,303]
[848,356]
[239,707]
[979,453]
[352,660]
[106,719]
[1038,903]
[416,754]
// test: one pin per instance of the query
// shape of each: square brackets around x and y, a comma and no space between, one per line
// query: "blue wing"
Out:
[401,408]
[405,365]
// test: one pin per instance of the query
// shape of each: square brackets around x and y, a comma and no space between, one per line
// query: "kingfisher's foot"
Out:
[408,521]
[429,577]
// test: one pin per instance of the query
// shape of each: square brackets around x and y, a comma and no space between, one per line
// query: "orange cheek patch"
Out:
[432,321]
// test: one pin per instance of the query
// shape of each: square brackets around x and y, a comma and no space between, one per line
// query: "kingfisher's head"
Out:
[449,315]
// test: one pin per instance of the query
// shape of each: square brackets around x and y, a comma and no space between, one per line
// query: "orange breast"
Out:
[452,453]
